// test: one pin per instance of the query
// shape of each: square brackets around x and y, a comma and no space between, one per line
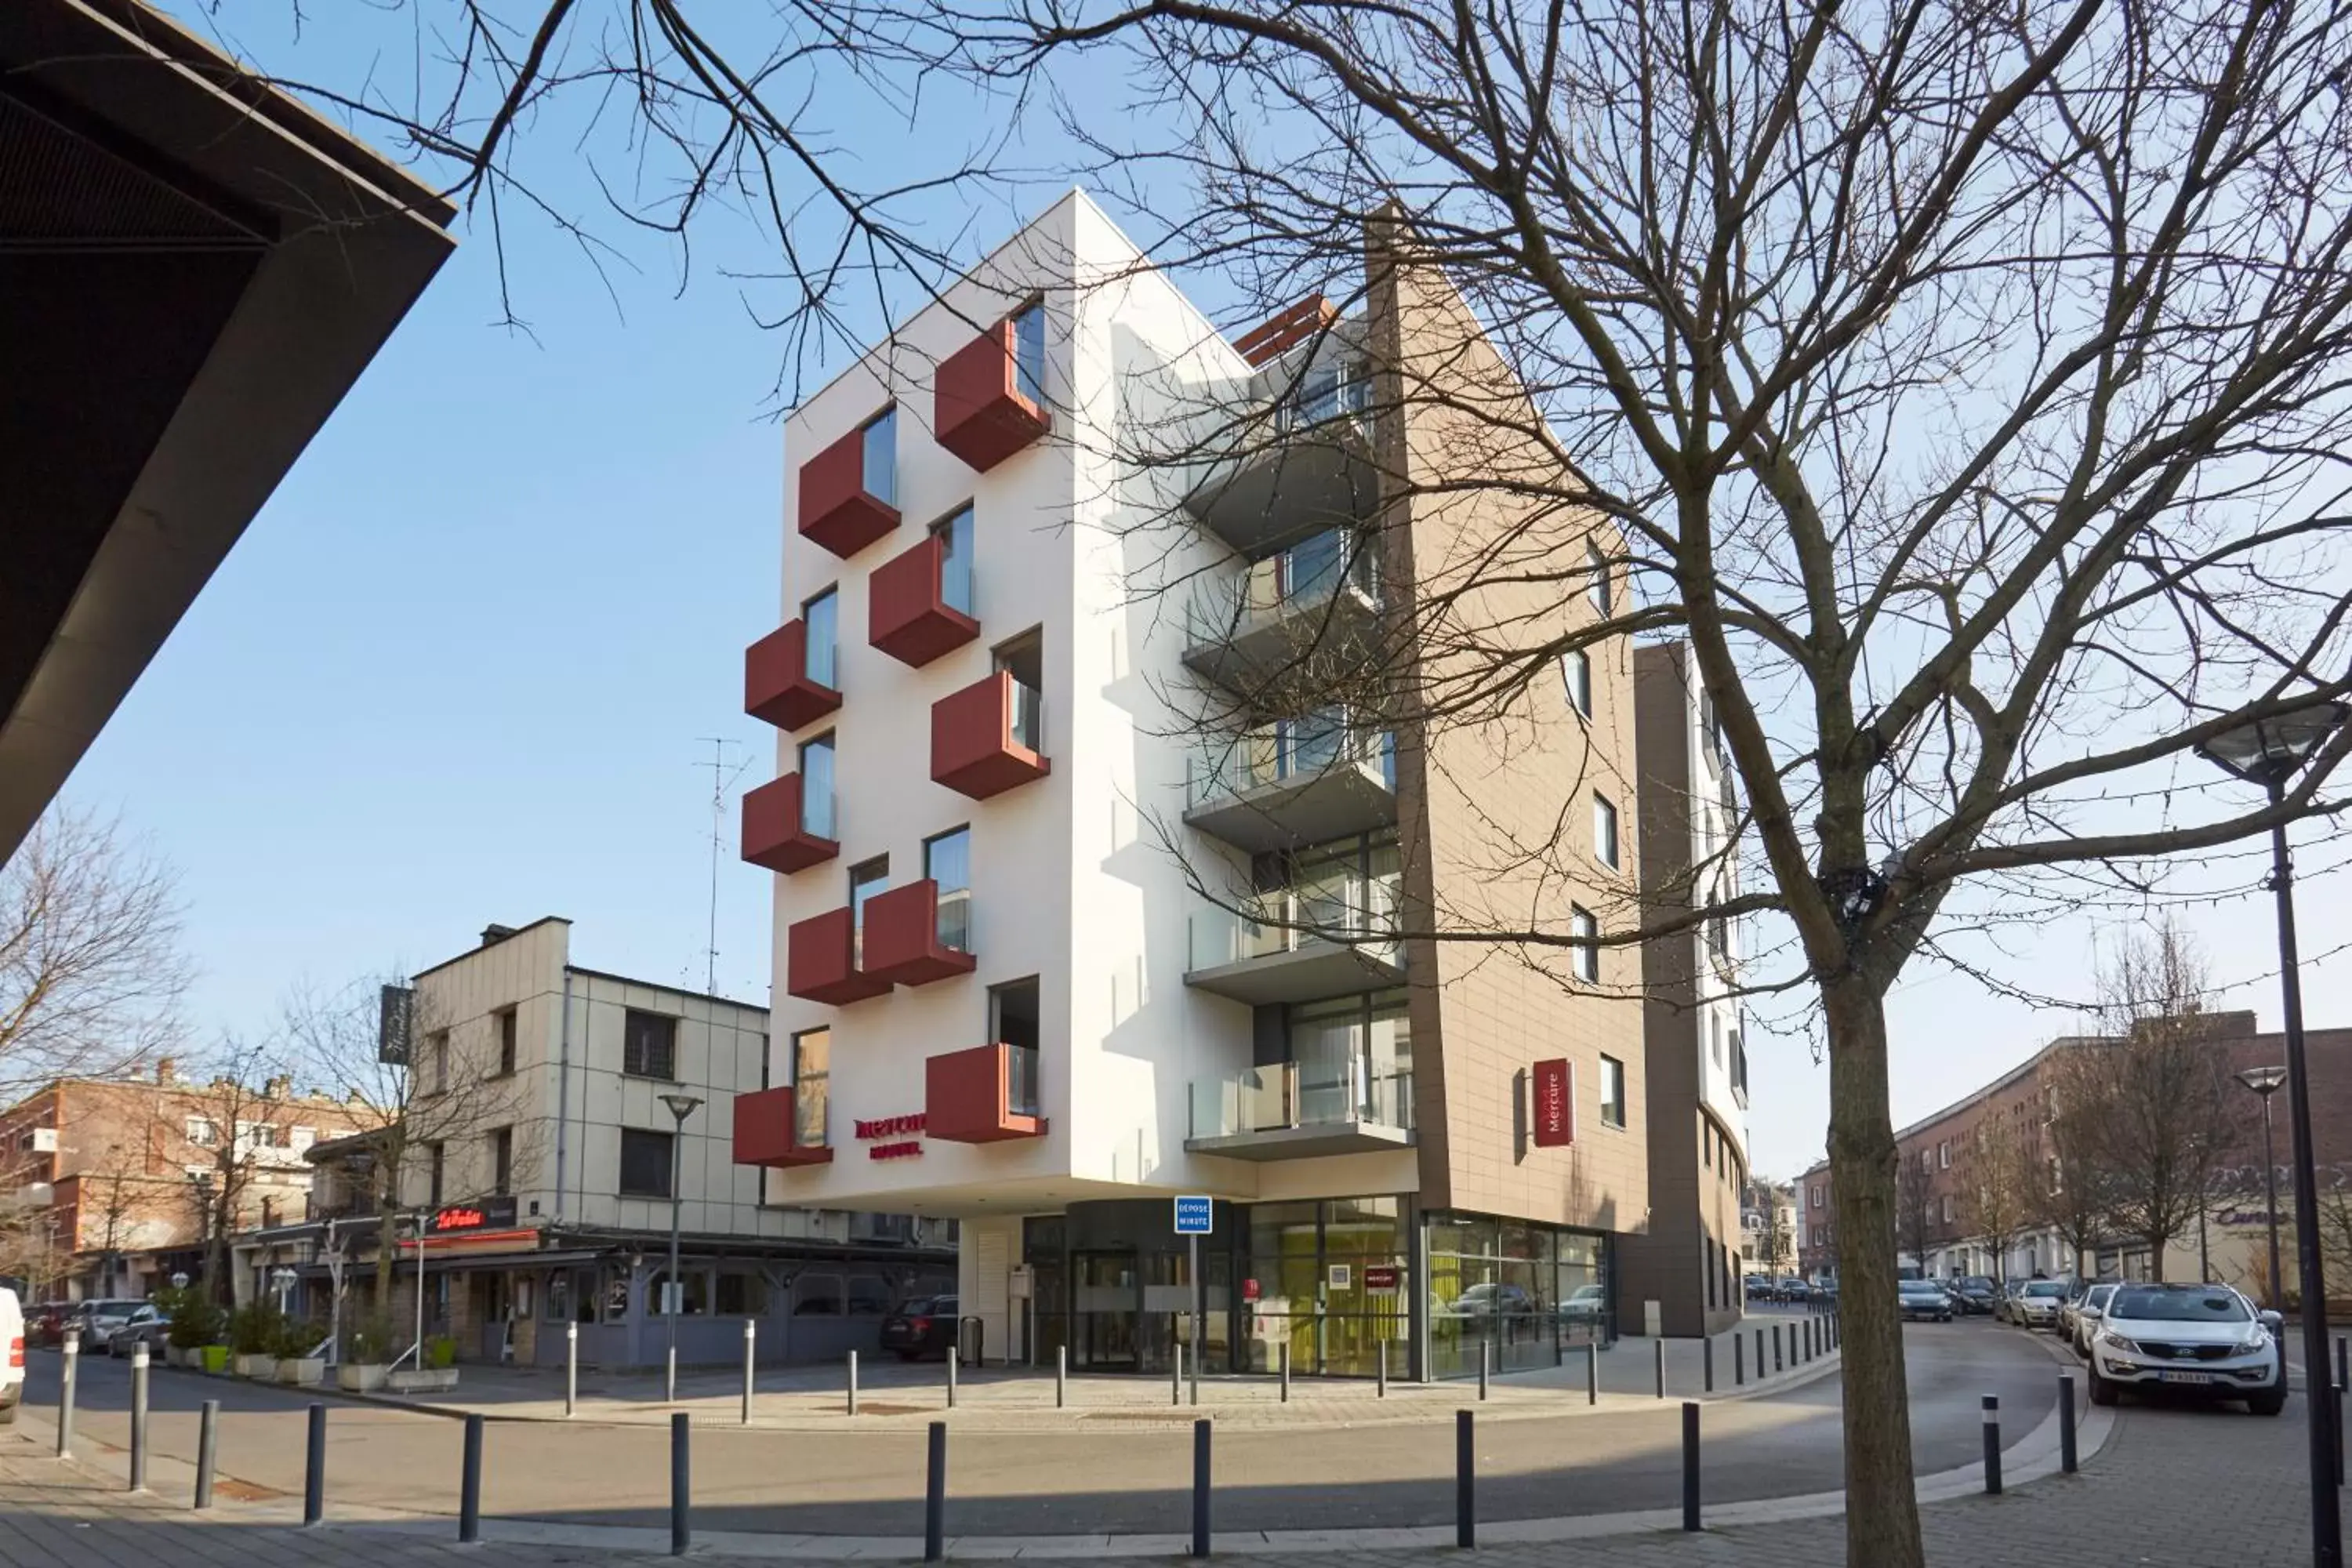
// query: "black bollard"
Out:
[1777,1364]
[1485,1359]
[1992,1444]
[1382,1388]
[1200,1488]
[681,1486]
[1706,1365]
[1738,1360]
[1690,1464]
[954,1355]
[469,1484]
[2067,1459]
[1661,1348]
[1592,1372]
[314,1468]
[1283,1353]
[139,1418]
[207,1444]
[935,1495]
[1466,1484]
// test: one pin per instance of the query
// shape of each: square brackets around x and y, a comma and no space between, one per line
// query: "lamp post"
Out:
[2265,1081]
[2270,752]
[681,1106]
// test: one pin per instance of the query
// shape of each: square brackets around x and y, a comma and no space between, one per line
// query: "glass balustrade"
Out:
[1299,580]
[953,925]
[1300,1094]
[1289,751]
[1029,717]
[1346,909]
[808,1114]
[1021,1088]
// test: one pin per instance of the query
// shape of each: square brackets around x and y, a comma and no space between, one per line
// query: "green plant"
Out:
[253,1328]
[441,1352]
[194,1322]
[369,1342]
[296,1339]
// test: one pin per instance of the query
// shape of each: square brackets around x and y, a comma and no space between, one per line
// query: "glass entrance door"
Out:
[1107,1299]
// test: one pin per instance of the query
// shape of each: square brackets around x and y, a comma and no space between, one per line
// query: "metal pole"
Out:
[1200,1488]
[853,1382]
[1660,1347]
[420,1291]
[1284,1357]
[2326,1521]
[935,1495]
[681,1486]
[2067,1459]
[1706,1365]
[469,1484]
[139,1418]
[1992,1444]
[570,1368]
[670,1291]
[1690,1464]
[1200,1306]
[955,1354]
[1777,1364]
[1061,1375]
[1465,1483]
[1592,1371]
[1382,1373]
[1486,1361]
[314,1468]
[1760,1355]
[68,1374]
[207,1445]
[751,1355]
[1176,1375]
[2270,1182]
[1738,1360]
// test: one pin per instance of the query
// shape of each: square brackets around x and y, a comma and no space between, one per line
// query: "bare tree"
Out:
[91,967]
[1998,1192]
[2077,1197]
[1914,1209]
[230,1116]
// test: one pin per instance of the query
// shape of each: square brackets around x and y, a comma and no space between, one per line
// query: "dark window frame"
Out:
[637,1057]
[646,1137]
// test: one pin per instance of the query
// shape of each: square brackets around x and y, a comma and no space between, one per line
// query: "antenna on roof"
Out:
[721,775]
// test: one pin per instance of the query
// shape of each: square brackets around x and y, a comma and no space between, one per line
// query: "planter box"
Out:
[304,1372]
[174,1356]
[260,1368]
[433,1380]
[359,1377]
[214,1358]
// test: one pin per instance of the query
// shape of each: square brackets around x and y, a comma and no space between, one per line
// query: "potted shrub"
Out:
[298,1345]
[439,1371]
[196,1326]
[252,1330]
[367,1344]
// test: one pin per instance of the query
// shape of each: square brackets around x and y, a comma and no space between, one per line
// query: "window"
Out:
[1576,667]
[1817,1197]
[822,616]
[954,534]
[1948,1208]
[1012,1013]
[947,862]
[867,879]
[437,1061]
[1584,935]
[202,1133]
[1612,1092]
[1705,1144]
[1604,830]
[1024,659]
[811,1071]
[436,1164]
[502,1160]
[645,1162]
[1944,1155]
[1029,350]
[649,1045]
[879,448]
[506,1022]
[1596,567]
[816,787]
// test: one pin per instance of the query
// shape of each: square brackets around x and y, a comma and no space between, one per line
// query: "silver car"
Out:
[2036,1306]
[2084,1316]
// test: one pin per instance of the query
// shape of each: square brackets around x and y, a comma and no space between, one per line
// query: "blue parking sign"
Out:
[1192,1217]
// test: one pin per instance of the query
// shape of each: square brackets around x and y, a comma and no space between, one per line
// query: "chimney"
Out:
[494,934]
[278,1089]
[167,1071]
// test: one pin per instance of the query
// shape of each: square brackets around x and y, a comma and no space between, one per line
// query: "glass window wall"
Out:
[1529,1293]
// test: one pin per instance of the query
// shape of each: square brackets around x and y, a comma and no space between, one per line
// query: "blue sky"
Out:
[462,667]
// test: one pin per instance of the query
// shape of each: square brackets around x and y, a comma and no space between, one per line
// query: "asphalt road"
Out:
[1099,1478]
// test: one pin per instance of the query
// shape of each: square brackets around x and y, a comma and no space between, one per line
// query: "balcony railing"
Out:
[1303,1109]
[808,1117]
[1301,581]
[1028,725]
[953,922]
[989,738]
[1288,752]
[1341,911]
[1328,392]
[1021,1081]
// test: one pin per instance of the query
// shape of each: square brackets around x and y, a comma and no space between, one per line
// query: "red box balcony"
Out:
[978,410]
[905,940]
[835,510]
[768,1129]
[987,1095]
[775,830]
[776,684]
[907,613]
[821,961]
[985,739]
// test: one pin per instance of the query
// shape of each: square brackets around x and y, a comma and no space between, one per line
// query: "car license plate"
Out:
[2188,1377]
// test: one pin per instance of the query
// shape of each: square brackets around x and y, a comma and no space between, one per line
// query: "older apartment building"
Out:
[558,1112]
[1103,876]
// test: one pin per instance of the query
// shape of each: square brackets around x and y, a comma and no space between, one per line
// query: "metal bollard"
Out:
[1690,1464]
[1192,1379]
[853,1382]
[1485,1359]
[1992,1444]
[1381,1373]
[1706,1365]
[139,1418]
[469,1484]
[314,1468]
[1660,1349]
[1592,1371]
[1200,1488]
[751,1360]
[681,1486]
[955,1354]
[1283,1356]
[1176,1377]
[2066,1458]
[207,1444]
[1760,1355]
[68,1374]
[1466,1483]
[1738,1360]
[1061,1375]
[935,1495]
[1777,1364]
[570,1369]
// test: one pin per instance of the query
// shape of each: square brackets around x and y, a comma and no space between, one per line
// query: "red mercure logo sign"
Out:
[1554,1121]
[889,1134]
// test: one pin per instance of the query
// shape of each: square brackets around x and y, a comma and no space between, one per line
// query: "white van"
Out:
[12,1368]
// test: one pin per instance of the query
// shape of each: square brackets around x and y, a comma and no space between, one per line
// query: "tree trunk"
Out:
[2156,1245]
[1882,1515]
[384,1245]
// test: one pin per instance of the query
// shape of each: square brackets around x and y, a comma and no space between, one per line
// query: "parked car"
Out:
[1789,1287]
[923,1327]
[1759,1287]
[1924,1298]
[1979,1294]
[2202,1340]
[2036,1306]
[144,1327]
[1585,1304]
[12,1355]
[45,1325]
[2086,1314]
[95,1321]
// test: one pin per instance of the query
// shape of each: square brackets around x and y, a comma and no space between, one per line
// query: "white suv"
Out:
[2204,1340]
[12,1354]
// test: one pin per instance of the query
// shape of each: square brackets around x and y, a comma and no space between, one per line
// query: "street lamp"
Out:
[681,1106]
[2269,752]
[2265,1081]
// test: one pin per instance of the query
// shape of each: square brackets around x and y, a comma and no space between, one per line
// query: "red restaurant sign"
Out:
[897,1130]
[1381,1277]
[1555,1120]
